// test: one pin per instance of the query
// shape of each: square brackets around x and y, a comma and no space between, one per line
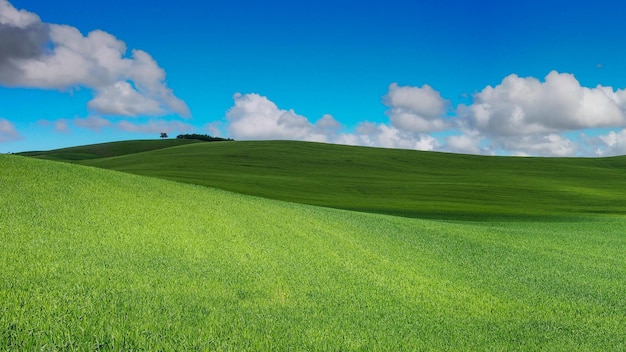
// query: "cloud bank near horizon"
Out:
[519,116]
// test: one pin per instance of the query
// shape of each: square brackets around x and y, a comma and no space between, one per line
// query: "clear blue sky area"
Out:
[485,77]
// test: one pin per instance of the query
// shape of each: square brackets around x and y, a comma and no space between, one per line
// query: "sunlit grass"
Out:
[93,259]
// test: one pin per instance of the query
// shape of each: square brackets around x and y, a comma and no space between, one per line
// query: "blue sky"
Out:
[484,77]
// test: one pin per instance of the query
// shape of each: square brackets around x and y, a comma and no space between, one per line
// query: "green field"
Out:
[104,150]
[95,259]
[391,181]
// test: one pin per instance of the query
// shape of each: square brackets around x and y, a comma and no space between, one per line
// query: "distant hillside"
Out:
[104,150]
[391,181]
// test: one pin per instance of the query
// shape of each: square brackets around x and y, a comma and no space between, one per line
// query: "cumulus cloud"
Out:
[122,98]
[612,143]
[520,116]
[36,54]
[256,117]
[468,143]
[8,132]
[22,36]
[544,145]
[386,136]
[415,109]
[524,106]
[527,116]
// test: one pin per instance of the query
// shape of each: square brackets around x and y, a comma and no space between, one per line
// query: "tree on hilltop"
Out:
[203,137]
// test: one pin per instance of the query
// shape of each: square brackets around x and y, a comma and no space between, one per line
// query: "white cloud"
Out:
[95,123]
[50,56]
[22,36]
[468,143]
[9,15]
[415,109]
[539,144]
[521,116]
[525,106]
[156,126]
[386,136]
[612,143]
[526,116]
[121,98]
[327,124]
[256,117]
[8,132]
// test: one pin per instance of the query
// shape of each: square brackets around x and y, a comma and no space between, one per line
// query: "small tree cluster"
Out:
[203,137]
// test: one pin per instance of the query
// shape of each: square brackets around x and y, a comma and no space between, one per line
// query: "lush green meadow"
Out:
[99,260]
[105,150]
[391,181]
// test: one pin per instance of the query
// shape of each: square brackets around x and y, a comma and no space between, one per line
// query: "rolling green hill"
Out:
[391,181]
[104,150]
[93,259]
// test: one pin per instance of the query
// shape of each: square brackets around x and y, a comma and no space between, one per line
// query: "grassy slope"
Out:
[93,259]
[399,182]
[105,150]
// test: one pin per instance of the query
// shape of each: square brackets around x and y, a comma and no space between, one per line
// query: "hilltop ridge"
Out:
[389,181]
